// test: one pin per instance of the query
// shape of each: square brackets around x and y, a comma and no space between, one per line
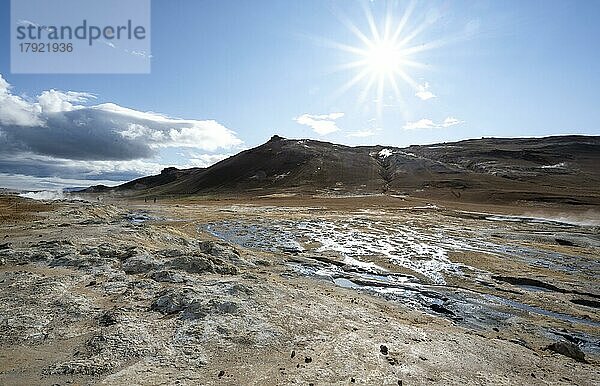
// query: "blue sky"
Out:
[258,68]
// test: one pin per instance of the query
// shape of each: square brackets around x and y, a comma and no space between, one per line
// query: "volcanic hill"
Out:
[559,169]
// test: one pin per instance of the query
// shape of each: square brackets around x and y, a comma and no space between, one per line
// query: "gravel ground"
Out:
[121,293]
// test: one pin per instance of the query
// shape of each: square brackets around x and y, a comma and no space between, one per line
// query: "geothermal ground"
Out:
[378,290]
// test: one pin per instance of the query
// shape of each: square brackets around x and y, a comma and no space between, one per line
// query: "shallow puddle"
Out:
[361,250]
[355,242]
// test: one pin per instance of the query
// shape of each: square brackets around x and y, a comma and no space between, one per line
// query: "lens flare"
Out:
[384,56]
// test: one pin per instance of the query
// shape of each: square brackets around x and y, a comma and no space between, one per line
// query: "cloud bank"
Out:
[57,134]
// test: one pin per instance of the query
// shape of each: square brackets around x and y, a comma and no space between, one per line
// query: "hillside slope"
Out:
[560,169]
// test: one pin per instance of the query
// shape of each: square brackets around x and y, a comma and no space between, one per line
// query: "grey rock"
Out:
[171,253]
[108,318]
[115,286]
[201,264]
[140,264]
[173,301]
[239,289]
[88,251]
[113,252]
[197,309]
[568,349]
[70,261]
[222,251]
[440,309]
[565,242]
[383,349]
[92,222]
[167,277]
[108,349]
[79,367]
[225,269]
[39,256]
[192,264]
[223,307]
[191,304]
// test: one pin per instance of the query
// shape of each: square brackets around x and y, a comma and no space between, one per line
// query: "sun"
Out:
[383,58]
[384,55]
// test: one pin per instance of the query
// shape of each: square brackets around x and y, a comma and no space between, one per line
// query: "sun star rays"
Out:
[383,55]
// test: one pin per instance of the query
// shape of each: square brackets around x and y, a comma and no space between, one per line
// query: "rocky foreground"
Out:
[93,294]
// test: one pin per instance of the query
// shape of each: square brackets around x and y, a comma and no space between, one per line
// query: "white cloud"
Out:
[14,110]
[135,130]
[420,124]
[64,117]
[424,93]
[58,135]
[200,132]
[211,134]
[207,135]
[321,124]
[53,101]
[451,121]
[133,167]
[4,86]
[429,124]
[140,115]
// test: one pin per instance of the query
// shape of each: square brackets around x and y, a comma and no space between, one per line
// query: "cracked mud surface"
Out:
[294,293]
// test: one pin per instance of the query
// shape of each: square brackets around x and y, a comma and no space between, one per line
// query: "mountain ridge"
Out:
[548,169]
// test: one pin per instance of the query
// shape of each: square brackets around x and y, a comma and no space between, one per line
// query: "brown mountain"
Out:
[560,169]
